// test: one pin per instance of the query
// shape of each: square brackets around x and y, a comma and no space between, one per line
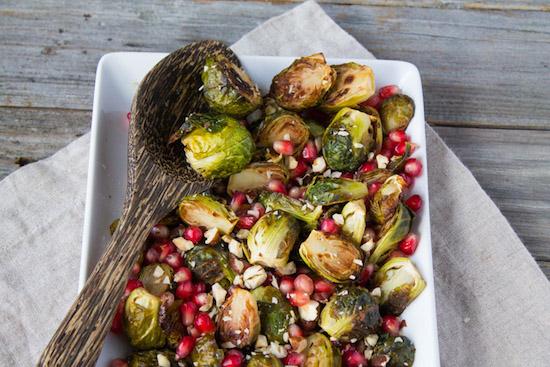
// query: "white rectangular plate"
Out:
[118,76]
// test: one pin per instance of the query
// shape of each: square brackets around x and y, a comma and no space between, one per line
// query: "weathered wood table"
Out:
[485,67]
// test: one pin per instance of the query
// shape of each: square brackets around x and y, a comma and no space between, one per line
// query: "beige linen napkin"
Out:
[493,301]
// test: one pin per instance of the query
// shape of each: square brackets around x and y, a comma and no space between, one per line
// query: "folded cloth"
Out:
[493,302]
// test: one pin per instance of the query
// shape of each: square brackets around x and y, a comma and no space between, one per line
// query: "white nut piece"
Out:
[182,244]
[254,277]
[236,248]
[309,311]
[319,164]
[212,236]
[219,294]
[261,342]
[382,161]
[277,350]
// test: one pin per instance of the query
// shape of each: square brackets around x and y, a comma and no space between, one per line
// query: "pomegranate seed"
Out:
[300,170]
[324,286]
[298,299]
[283,147]
[129,116]
[374,187]
[233,358]
[286,285]
[160,232]
[373,101]
[237,200]
[188,310]
[365,275]
[388,91]
[391,325]
[397,136]
[303,283]
[131,285]
[414,203]
[193,234]
[174,260]
[408,244]
[310,151]
[276,186]
[246,221]
[388,153]
[367,167]
[200,287]
[204,323]
[413,167]
[295,331]
[297,192]
[409,181]
[259,208]
[183,275]
[200,299]
[185,290]
[136,269]
[118,362]
[117,323]
[165,248]
[353,358]
[294,359]
[347,175]
[400,148]
[151,256]
[329,226]
[185,347]
[396,253]
[388,144]
[191,330]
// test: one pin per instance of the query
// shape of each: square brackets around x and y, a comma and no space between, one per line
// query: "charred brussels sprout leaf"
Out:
[304,83]
[387,198]
[393,231]
[271,239]
[157,278]
[378,175]
[350,313]
[321,353]
[153,358]
[399,349]
[261,360]
[396,112]
[238,320]
[400,283]
[141,320]
[298,209]
[170,322]
[209,264]
[255,177]
[205,211]
[275,313]
[331,257]
[355,217]
[376,124]
[348,140]
[328,191]
[206,352]
[315,130]
[354,84]
[218,146]
[228,89]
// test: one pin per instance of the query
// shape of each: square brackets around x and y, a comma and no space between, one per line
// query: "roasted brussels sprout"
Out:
[304,83]
[238,320]
[141,320]
[348,140]
[205,211]
[156,278]
[261,360]
[298,209]
[315,130]
[378,175]
[331,257]
[209,264]
[321,353]
[275,313]
[399,349]
[218,146]
[206,352]
[354,84]
[376,124]
[227,87]
[153,358]
[350,313]
[400,283]
[256,176]
[396,112]
[171,324]
[280,124]
[355,217]
[393,231]
[271,239]
[328,191]
[387,198]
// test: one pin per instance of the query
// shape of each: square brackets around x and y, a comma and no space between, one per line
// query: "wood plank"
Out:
[480,68]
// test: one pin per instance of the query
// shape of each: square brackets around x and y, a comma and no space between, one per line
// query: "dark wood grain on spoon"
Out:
[158,177]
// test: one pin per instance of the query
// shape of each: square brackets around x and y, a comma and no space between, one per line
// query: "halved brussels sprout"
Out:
[227,87]
[206,352]
[218,146]
[354,84]
[156,278]
[355,217]
[271,239]
[328,191]
[298,209]
[262,360]
[141,320]
[350,313]
[238,320]
[331,257]
[387,198]
[171,324]
[255,177]
[399,349]
[280,124]
[205,211]
[321,353]
[209,264]
[304,83]
[376,124]
[396,112]
[275,313]
[393,231]
[348,140]
[378,175]
[400,283]
[153,358]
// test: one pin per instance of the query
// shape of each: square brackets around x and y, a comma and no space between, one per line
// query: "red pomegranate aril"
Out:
[396,253]
[233,358]
[300,170]
[151,256]
[275,185]
[159,232]
[283,147]
[373,101]
[200,287]
[367,167]
[183,274]
[310,151]
[136,269]
[388,91]
[117,323]
[286,285]
[298,299]
[295,331]
[296,192]
[324,286]
[413,167]
[185,347]
[237,200]
[188,310]
[347,175]
[397,136]
[354,358]
[391,325]
[185,290]
[193,234]
[200,299]
[118,362]
[409,244]
[386,152]
[409,181]
[365,275]
[129,116]
[400,148]
[414,202]
[165,248]
[174,260]
[131,285]
[374,187]
[294,359]
[246,221]
[204,323]
[329,226]
[303,283]
[388,144]
[191,330]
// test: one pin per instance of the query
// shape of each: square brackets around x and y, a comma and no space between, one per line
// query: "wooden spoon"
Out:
[158,177]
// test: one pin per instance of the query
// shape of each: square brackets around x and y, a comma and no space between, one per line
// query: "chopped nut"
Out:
[261,342]
[243,234]
[254,276]
[371,339]
[376,292]
[226,238]
[319,165]
[219,294]
[358,262]
[338,219]
[162,361]
[238,281]
[277,350]
[336,174]
[182,244]
[212,236]
[235,247]
[309,311]
[382,161]
[368,246]
[208,304]
[292,162]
